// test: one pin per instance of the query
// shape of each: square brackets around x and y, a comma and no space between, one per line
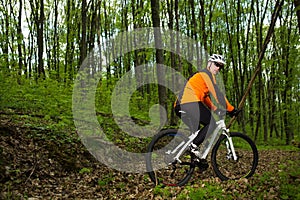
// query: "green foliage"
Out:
[48,100]
[85,170]
[207,191]
[290,180]
[277,147]
[237,33]
[162,191]
[105,180]
[45,108]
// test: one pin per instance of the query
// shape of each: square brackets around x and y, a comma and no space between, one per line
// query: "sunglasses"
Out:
[219,65]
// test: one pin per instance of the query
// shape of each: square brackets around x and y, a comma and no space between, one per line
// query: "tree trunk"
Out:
[202,19]
[194,32]
[136,8]
[83,45]
[56,41]
[20,39]
[6,35]
[159,57]
[40,40]
[68,70]
[170,4]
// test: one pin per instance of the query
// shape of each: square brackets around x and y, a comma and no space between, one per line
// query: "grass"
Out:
[279,147]
[289,177]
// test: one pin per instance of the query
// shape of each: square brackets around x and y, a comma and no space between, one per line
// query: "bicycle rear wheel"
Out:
[161,167]
[222,159]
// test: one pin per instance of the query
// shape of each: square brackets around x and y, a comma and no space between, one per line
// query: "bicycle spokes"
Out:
[237,162]
[163,167]
[232,157]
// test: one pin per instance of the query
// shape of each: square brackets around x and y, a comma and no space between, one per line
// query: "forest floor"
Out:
[35,165]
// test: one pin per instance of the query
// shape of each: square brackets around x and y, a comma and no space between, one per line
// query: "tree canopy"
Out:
[49,40]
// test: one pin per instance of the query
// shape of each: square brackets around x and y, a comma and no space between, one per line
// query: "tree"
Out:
[20,39]
[66,31]
[159,54]
[39,22]
[297,8]
[83,45]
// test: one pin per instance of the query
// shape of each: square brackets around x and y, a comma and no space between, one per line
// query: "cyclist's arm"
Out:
[229,107]
[211,89]
[209,103]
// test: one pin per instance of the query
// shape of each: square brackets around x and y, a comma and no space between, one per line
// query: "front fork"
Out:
[230,147]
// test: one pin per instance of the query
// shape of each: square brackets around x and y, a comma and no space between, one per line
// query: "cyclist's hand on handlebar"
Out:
[234,112]
[220,112]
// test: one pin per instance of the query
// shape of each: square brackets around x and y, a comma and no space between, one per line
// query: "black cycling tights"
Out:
[197,113]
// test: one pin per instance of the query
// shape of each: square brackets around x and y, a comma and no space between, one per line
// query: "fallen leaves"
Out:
[48,169]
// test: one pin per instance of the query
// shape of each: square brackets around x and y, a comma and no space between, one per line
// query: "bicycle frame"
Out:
[207,144]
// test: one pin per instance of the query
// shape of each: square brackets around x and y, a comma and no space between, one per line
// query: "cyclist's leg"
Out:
[191,116]
[197,113]
[206,119]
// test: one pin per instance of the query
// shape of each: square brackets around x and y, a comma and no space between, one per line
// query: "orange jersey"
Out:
[198,88]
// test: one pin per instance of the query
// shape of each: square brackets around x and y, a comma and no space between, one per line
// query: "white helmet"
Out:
[217,58]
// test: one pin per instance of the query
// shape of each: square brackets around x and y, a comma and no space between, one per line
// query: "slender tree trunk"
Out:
[106,35]
[20,39]
[239,80]
[245,72]
[68,68]
[127,60]
[83,45]
[92,32]
[231,48]
[159,55]
[265,114]
[210,25]
[178,50]
[170,7]
[99,28]
[288,73]
[56,41]
[271,97]
[68,48]
[259,111]
[6,36]
[194,32]
[136,7]
[202,19]
[189,34]
[40,40]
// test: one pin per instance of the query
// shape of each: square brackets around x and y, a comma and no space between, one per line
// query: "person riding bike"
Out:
[194,103]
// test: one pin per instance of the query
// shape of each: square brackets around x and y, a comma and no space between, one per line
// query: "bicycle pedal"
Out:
[195,150]
[202,164]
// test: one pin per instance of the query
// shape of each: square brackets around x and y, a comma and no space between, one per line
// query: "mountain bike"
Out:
[170,160]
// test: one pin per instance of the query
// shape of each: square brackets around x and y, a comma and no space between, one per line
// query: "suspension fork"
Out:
[229,145]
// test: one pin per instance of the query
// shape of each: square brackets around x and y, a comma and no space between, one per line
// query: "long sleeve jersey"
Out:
[199,88]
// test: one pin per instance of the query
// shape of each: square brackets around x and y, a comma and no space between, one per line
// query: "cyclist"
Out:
[194,103]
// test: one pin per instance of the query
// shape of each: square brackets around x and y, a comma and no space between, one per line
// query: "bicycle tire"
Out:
[161,172]
[223,164]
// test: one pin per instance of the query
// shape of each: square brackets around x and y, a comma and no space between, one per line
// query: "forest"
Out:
[144,49]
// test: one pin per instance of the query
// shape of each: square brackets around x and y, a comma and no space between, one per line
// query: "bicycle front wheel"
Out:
[222,160]
[161,166]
